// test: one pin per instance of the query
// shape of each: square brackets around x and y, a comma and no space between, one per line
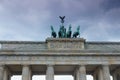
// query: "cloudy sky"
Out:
[31,19]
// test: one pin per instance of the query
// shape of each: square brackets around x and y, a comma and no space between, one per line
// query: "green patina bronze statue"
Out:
[53,33]
[75,34]
[62,31]
[62,19]
[69,32]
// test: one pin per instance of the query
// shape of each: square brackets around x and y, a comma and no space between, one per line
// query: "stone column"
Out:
[50,72]
[106,72]
[30,74]
[77,74]
[26,72]
[6,77]
[118,74]
[74,74]
[81,73]
[100,74]
[94,76]
[74,77]
[7,74]
[114,75]
[1,72]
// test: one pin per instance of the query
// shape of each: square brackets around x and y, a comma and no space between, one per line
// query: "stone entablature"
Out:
[71,56]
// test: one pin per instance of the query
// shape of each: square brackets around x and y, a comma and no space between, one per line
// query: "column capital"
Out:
[82,65]
[25,65]
[50,65]
[105,65]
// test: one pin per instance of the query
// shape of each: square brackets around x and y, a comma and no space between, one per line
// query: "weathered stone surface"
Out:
[82,73]
[33,45]
[26,72]
[50,72]
[106,72]
[1,72]
[65,43]
[22,45]
[64,54]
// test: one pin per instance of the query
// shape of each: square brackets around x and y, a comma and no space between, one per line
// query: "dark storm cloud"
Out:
[111,4]
[29,19]
[111,10]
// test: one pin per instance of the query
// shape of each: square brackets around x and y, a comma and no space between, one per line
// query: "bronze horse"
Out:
[69,32]
[53,33]
[75,34]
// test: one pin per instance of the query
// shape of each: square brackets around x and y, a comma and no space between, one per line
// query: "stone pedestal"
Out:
[65,43]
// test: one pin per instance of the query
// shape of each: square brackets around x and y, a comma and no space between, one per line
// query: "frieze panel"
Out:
[65,44]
